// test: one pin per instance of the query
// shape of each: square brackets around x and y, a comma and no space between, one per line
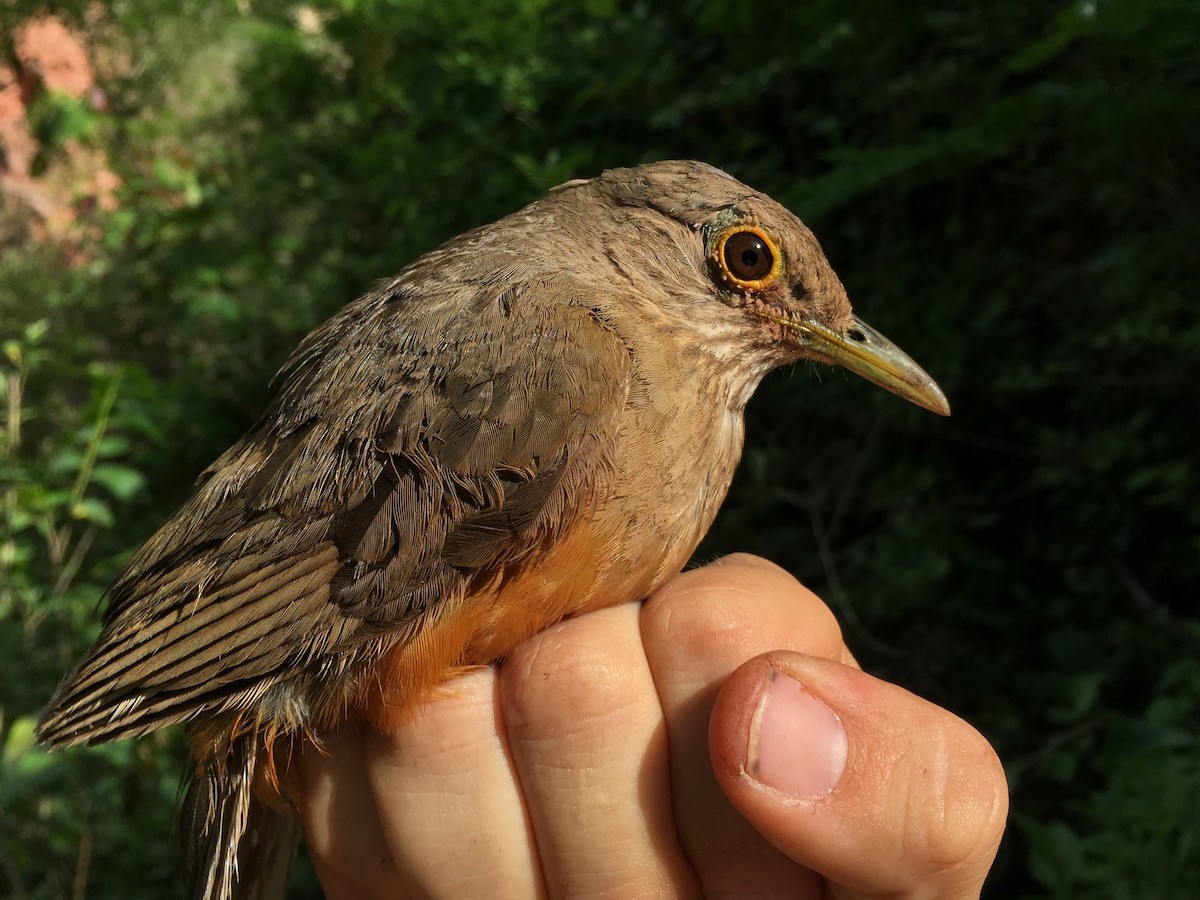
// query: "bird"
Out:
[536,419]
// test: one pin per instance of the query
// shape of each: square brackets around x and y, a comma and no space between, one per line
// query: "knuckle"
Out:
[696,616]
[577,676]
[720,613]
[958,804]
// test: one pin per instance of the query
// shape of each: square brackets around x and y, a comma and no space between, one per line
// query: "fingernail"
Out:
[797,744]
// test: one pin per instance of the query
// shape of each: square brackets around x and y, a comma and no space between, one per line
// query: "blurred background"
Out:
[1008,189]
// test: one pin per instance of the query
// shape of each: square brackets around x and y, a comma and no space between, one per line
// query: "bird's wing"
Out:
[409,453]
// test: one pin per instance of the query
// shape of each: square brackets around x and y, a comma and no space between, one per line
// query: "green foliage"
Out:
[66,480]
[1006,189]
[56,118]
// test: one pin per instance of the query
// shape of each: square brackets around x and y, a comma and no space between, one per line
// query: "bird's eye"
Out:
[747,258]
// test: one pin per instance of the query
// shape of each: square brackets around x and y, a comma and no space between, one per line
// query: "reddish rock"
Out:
[47,50]
[47,56]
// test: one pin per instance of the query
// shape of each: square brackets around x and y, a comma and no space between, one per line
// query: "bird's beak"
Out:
[866,352]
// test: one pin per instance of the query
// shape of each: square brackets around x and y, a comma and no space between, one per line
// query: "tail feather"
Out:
[234,846]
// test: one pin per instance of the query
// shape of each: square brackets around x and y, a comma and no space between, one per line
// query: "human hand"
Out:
[685,747]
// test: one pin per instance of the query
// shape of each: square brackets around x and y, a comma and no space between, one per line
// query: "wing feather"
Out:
[415,446]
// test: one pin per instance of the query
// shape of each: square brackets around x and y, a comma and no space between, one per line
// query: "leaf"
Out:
[89,509]
[112,445]
[122,482]
[20,741]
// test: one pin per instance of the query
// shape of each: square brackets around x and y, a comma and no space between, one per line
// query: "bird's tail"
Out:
[235,847]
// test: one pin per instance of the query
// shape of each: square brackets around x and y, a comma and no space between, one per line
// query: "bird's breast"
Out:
[669,468]
[671,465]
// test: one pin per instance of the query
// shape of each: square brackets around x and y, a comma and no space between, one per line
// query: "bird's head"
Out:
[715,238]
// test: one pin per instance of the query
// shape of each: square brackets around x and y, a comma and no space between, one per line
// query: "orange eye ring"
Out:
[747,258]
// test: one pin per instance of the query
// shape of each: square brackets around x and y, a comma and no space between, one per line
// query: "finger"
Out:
[696,631]
[329,789]
[448,800]
[587,737]
[880,791]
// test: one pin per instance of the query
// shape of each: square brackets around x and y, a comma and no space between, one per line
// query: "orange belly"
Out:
[586,569]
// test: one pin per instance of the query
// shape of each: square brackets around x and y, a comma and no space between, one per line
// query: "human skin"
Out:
[718,740]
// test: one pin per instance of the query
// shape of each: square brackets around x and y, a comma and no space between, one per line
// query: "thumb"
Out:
[878,791]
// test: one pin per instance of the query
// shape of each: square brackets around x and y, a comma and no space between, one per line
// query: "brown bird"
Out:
[538,418]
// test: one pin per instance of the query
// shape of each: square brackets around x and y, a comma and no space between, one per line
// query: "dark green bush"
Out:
[1007,189]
